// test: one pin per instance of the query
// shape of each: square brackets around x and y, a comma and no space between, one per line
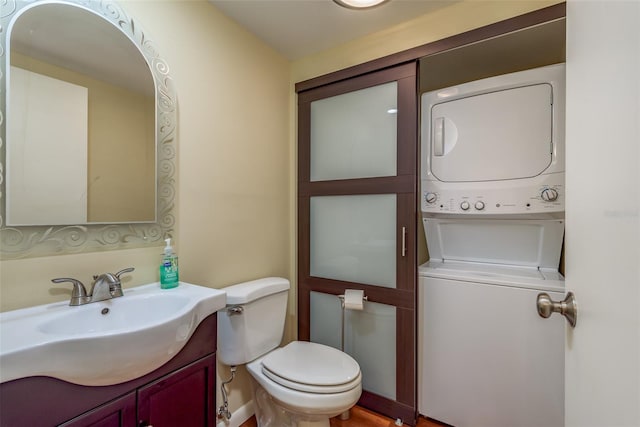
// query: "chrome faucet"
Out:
[104,286]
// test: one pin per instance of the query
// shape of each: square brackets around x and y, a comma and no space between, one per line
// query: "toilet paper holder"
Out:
[343,297]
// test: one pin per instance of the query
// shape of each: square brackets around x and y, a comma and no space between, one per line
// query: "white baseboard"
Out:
[239,416]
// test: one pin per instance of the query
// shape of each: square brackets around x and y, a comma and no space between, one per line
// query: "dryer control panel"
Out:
[547,198]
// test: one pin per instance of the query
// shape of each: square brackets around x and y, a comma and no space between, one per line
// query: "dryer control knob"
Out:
[549,194]
[479,206]
[465,206]
[430,197]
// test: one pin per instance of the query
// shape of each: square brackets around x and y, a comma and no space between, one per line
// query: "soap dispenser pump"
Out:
[169,267]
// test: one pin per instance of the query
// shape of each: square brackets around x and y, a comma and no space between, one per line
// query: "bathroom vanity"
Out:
[146,358]
[179,393]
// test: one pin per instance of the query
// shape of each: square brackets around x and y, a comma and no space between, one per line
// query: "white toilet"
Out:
[300,384]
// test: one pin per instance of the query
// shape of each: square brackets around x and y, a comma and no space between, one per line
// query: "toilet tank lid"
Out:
[246,292]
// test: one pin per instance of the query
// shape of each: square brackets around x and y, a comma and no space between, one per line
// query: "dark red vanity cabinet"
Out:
[185,398]
[179,393]
[119,413]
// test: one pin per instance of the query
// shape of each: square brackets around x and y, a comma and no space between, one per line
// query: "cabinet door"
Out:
[117,413]
[184,398]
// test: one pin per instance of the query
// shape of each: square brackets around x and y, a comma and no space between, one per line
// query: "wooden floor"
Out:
[361,417]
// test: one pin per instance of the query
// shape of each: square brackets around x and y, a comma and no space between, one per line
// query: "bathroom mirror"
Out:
[88,119]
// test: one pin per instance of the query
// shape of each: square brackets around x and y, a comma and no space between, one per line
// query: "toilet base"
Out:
[270,414]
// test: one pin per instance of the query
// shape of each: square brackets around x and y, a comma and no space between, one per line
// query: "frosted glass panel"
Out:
[353,238]
[354,135]
[326,319]
[369,337]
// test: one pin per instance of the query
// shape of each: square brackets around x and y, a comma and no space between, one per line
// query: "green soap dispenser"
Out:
[169,268]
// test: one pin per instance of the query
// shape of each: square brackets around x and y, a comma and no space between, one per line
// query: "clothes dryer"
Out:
[495,147]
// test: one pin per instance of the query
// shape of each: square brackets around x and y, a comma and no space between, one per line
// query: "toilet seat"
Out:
[312,368]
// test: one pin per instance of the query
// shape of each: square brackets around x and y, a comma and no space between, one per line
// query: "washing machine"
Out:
[492,202]
[486,359]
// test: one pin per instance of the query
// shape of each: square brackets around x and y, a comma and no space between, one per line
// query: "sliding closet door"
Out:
[357,218]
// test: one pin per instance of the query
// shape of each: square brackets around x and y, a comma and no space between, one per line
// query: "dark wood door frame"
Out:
[404,185]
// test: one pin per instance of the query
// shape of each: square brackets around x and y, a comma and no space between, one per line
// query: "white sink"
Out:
[138,311]
[107,342]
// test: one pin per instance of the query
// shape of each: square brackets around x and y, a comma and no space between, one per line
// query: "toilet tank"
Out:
[252,324]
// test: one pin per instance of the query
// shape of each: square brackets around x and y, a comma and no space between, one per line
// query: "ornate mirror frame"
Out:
[33,241]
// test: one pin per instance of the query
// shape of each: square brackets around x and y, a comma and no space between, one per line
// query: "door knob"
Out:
[568,308]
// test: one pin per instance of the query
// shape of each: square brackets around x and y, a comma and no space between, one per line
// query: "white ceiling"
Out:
[297,28]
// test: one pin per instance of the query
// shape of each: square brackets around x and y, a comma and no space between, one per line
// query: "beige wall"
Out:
[237,148]
[122,159]
[233,165]
[233,177]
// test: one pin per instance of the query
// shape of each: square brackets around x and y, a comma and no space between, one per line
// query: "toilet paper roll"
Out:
[353,299]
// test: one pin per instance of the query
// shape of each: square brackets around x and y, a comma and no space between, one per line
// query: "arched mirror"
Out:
[88,124]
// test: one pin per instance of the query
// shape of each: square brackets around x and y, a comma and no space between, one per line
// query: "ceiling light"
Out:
[359,4]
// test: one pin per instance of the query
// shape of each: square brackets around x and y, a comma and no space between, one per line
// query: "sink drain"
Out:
[105,311]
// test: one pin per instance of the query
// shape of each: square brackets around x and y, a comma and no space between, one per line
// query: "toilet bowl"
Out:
[311,380]
[300,384]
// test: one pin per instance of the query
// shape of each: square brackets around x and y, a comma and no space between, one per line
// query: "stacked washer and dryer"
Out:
[492,189]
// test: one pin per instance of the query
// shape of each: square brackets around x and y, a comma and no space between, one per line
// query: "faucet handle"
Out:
[121,272]
[116,275]
[78,294]
[117,292]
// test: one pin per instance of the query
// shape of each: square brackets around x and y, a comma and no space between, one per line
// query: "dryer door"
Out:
[506,134]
